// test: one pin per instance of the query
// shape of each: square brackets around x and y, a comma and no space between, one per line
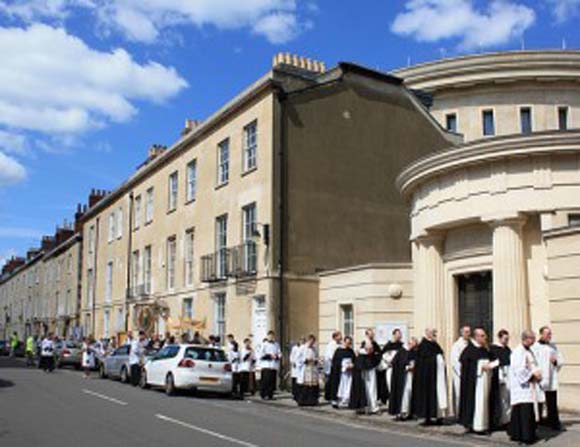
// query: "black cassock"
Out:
[399,379]
[336,369]
[469,359]
[501,353]
[363,362]
[425,402]
[382,385]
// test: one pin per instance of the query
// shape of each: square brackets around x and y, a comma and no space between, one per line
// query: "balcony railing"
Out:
[233,262]
[140,292]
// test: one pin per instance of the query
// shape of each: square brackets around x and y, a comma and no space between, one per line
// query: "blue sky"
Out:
[87,85]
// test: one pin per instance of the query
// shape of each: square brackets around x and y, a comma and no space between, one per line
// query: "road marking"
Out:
[102,396]
[203,430]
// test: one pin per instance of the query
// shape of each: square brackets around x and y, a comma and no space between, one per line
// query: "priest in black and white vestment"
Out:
[401,392]
[500,399]
[476,371]
[364,397]
[385,371]
[525,377]
[269,361]
[456,351]
[430,381]
[341,374]
[550,360]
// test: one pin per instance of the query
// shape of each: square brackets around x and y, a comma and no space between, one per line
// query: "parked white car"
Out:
[188,367]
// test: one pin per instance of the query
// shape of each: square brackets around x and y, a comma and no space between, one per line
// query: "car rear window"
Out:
[206,354]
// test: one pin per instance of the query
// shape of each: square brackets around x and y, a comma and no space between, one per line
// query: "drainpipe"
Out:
[129,251]
[94,285]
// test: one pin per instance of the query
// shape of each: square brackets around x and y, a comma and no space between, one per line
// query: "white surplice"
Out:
[407,398]
[543,353]
[442,402]
[481,420]
[522,389]
[345,385]
[331,348]
[456,351]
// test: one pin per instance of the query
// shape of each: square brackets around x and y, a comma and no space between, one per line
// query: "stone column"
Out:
[510,297]
[429,283]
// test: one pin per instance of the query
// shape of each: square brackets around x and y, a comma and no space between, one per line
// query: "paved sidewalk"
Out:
[569,438]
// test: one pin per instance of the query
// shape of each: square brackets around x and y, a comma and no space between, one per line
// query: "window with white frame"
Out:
[220,315]
[191,180]
[137,212]
[106,320]
[90,288]
[67,303]
[221,242]
[149,203]
[172,191]
[57,302]
[188,258]
[120,319]
[188,308]
[135,273]
[92,239]
[347,319]
[223,171]
[147,269]
[171,253]
[249,227]
[109,282]
[120,222]
[250,148]
[112,226]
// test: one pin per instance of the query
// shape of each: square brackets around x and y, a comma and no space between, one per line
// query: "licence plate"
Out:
[209,379]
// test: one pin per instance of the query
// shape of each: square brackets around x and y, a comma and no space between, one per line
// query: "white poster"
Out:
[384,331]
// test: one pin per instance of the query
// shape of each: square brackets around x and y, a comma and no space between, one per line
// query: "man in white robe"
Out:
[456,351]
[294,370]
[500,379]
[327,365]
[525,378]
[269,361]
[550,360]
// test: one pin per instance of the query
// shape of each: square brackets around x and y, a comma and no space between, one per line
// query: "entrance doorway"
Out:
[475,300]
[259,319]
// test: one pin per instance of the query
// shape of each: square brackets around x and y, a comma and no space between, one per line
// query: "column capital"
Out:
[430,237]
[515,220]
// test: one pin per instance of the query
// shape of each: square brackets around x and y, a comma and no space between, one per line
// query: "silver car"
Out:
[116,364]
[68,353]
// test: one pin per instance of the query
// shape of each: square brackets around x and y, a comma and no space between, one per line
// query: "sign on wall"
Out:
[383,331]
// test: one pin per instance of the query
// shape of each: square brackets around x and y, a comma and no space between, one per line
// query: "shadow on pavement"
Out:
[6,383]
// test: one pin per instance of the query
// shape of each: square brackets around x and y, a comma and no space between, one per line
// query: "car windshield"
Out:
[72,345]
[206,354]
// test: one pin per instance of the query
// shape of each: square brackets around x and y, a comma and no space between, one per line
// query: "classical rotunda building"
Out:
[495,221]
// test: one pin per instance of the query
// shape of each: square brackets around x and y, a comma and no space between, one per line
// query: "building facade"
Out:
[226,230]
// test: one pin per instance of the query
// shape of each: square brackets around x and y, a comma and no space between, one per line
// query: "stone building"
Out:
[494,220]
[226,229]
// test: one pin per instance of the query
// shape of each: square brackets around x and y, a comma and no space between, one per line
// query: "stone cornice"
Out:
[507,66]
[487,150]
[370,266]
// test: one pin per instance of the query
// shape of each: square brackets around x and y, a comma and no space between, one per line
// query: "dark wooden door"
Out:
[476,301]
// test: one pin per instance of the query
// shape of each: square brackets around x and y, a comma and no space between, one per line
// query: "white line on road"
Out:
[102,396]
[203,430]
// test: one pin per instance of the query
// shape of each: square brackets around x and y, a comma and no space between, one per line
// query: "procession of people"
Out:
[492,388]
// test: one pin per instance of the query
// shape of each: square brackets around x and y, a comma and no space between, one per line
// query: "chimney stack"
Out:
[301,63]
[190,126]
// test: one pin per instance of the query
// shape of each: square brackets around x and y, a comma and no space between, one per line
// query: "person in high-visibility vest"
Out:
[13,344]
[30,348]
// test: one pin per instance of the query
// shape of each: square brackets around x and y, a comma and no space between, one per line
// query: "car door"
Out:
[163,363]
[155,365]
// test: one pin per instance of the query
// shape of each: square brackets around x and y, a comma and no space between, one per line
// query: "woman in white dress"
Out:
[88,358]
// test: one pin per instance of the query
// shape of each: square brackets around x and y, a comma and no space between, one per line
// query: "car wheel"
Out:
[170,385]
[143,381]
[124,375]
[102,373]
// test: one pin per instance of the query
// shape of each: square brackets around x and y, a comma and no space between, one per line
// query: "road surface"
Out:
[63,409]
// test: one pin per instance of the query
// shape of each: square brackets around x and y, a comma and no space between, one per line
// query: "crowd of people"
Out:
[493,387]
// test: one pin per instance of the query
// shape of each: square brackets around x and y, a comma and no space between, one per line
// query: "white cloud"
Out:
[11,171]
[6,255]
[563,10]
[51,81]
[498,23]
[144,20]
[11,142]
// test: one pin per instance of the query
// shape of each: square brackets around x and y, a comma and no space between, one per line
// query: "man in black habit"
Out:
[475,412]
[363,395]
[384,370]
[500,397]
[429,381]
[401,391]
[343,356]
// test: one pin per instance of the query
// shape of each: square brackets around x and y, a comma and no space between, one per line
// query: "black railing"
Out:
[141,291]
[235,262]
